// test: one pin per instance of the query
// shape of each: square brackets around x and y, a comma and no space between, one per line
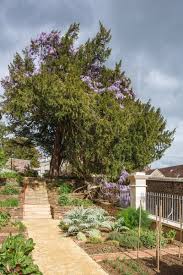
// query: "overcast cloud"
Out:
[146,35]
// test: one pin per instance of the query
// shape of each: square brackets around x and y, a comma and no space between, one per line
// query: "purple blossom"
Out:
[48,45]
[117,193]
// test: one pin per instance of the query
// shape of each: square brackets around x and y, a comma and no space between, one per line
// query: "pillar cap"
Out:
[138,175]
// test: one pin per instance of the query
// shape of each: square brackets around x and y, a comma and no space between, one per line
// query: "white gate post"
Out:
[138,189]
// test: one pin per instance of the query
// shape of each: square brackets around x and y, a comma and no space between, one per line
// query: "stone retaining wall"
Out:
[58,212]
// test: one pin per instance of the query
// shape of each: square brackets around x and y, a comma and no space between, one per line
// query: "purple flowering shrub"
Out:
[117,193]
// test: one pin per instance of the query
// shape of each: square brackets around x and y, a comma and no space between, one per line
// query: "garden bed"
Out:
[169,265]
[10,226]
[100,248]
[107,206]
[13,204]
[62,199]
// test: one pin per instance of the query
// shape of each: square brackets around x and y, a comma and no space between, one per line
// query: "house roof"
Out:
[18,164]
[172,171]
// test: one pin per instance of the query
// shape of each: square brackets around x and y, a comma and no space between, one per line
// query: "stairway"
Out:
[36,205]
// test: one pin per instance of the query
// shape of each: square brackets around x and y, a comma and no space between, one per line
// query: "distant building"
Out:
[44,166]
[19,165]
[171,172]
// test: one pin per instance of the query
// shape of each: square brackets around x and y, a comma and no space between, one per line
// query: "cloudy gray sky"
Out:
[146,34]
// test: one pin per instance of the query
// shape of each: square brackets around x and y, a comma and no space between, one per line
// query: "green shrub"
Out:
[119,225]
[11,175]
[15,256]
[9,203]
[148,238]
[4,219]
[131,217]
[63,226]
[30,173]
[128,239]
[21,227]
[112,242]
[81,202]
[94,234]
[10,189]
[94,240]
[64,188]
[8,174]
[83,219]
[64,200]
[170,236]
[114,236]
[81,237]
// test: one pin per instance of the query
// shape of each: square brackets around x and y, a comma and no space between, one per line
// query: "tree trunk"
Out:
[56,155]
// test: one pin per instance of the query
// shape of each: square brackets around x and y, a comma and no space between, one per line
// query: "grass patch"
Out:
[64,188]
[4,218]
[9,189]
[11,175]
[66,200]
[9,203]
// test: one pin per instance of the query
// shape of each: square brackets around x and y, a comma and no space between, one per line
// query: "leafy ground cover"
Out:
[9,175]
[10,226]
[16,258]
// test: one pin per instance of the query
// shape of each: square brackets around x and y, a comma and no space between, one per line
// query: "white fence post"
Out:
[138,189]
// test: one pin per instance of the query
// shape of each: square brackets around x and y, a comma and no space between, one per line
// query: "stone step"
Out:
[37,214]
[36,203]
[35,206]
[36,198]
[35,193]
[45,210]
[36,218]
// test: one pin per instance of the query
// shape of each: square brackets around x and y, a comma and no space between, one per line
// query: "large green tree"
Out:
[21,148]
[69,102]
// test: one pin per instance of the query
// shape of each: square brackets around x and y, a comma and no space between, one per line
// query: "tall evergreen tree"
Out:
[77,109]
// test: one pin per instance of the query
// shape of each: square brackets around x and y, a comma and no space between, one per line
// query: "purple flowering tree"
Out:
[66,100]
[61,88]
[118,192]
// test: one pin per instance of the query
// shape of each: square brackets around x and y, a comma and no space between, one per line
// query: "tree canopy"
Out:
[21,148]
[70,103]
[2,154]
[16,147]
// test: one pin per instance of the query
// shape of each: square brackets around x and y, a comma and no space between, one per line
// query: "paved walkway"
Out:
[56,254]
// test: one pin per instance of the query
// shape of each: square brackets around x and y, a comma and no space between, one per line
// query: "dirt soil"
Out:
[100,248]
[169,265]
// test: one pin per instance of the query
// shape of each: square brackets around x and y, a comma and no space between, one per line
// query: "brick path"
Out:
[56,254]
[147,253]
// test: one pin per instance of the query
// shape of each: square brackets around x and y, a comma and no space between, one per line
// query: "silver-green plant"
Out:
[119,225]
[83,219]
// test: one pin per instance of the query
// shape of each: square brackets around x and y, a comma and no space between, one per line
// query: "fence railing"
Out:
[171,205]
